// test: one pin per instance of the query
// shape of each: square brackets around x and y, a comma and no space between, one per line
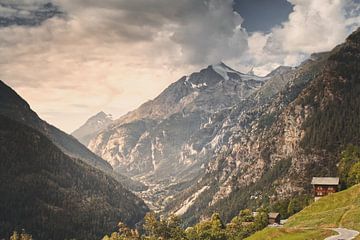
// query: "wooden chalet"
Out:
[324,186]
[274,218]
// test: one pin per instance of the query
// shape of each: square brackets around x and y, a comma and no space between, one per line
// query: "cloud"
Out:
[113,55]
[313,26]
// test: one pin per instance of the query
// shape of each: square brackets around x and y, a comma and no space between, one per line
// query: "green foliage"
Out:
[288,207]
[335,210]
[124,233]
[349,166]
[169,228]
[165,228]
[54,196]
[335,99]
[21,236]
[298,203]
[212,229]
[354,174]
[241,198]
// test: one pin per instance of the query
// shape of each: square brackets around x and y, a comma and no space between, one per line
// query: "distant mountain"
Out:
[271,146]
[92,126]
[167,142]
[54,196]
[16,108]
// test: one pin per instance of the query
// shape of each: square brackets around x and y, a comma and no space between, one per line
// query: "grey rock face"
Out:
[92,126]
[284,134]
[169,141]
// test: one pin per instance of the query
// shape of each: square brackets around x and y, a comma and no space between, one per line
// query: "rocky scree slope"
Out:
[167,142]
[274,145]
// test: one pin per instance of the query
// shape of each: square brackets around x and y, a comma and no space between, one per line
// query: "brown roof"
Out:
[325,181]
[273,215]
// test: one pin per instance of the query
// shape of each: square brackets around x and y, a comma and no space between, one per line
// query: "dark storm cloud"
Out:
[206,31]
[113,55]
[26,13]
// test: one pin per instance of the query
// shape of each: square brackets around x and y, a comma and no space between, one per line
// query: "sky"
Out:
[73,58]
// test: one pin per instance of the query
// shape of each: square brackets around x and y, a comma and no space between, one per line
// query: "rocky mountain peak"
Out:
[94,124]
[101,116]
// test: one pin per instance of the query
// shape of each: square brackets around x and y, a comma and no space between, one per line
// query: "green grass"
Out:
[336,210]
[290,234]
[340,209]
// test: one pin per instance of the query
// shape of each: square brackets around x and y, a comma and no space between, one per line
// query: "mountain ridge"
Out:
[13,106]
[279,146]
[92,126]
[167,141]
[54,196]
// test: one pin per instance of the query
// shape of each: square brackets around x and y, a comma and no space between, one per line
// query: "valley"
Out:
[218,135]
[209,120]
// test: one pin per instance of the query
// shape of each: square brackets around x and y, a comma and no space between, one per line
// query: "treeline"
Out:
[349,166]
[54,196]
[21,236]
[170,228]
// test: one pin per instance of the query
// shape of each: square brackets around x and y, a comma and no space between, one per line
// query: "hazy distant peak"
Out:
[94,124]
[101,115]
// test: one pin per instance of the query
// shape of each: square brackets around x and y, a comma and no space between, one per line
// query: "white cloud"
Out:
[313,26]
[113,55]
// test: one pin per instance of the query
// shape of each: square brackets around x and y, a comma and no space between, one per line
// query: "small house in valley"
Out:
[324,186]
[274,218]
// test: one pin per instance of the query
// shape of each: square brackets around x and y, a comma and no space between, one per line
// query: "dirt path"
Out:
[344,234]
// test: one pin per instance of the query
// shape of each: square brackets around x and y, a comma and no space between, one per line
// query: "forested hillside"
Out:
[54,196]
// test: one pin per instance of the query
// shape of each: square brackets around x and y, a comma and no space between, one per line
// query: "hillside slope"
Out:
[167,142]
[272,150]
[15,107]
[54,196]
[337,210]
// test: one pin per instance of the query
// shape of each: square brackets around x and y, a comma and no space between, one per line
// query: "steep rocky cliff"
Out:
[91,127]
[277,144]
[168,141]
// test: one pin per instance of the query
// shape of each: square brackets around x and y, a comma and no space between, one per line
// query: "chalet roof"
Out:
[273,215]
[325,181]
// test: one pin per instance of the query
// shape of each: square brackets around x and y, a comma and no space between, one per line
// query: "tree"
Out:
[15,236]
[22,236]
[354,174]
[167,228]
[246,215]
[212,229]
[349,158]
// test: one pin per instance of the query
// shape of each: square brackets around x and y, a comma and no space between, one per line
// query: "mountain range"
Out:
[220,140]
[217,140]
